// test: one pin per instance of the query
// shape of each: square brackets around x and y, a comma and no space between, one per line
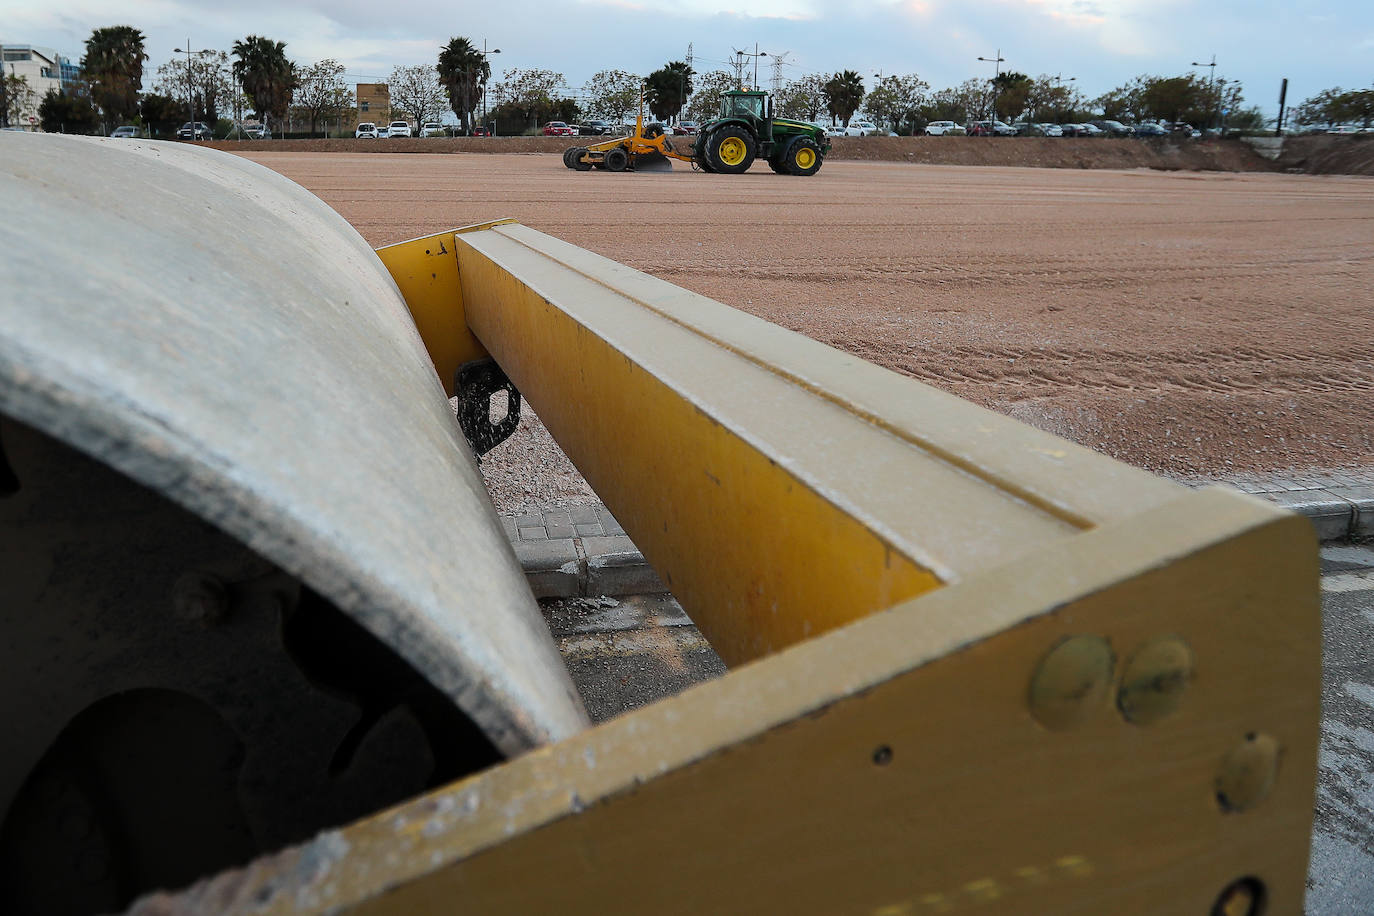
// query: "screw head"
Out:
[1072,682]
[1155,681]
[200,598]
[1242,897]
[1248,772]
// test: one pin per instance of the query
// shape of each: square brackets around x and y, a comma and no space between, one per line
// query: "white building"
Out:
[44,69]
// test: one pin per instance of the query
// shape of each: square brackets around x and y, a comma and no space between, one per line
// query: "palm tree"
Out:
[666,89]
[464,71]
[113,66]
[844,93]
[265,74]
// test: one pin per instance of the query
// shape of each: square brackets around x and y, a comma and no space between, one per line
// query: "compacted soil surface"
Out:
[1036,152]
[1194,324]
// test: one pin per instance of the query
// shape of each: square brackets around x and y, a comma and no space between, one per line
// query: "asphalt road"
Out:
[1340,879]
[628,652]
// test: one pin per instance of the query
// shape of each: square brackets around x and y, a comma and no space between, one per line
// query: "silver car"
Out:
[944,129]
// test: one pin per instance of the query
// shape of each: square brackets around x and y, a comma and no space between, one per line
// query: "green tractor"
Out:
[746,129]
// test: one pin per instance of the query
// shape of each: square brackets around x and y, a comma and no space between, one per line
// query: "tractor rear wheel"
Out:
[580,164]
[803,157]
[617,159]
[730,150]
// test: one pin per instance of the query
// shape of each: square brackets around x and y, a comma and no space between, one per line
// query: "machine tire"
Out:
[730,150]
[617,159]
[579,164]
[776,164]
[568,155]
[699,153]
[802,157]
[652,131]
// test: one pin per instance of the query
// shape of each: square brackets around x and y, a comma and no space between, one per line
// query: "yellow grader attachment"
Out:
[253,593]
[648,149]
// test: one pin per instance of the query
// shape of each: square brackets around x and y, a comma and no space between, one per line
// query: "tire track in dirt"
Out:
[1196,323]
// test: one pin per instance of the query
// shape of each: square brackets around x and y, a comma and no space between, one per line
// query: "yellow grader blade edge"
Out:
[1125,725]
[1048,683]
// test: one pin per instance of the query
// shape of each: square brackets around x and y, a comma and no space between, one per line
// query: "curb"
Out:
[1339,506]
[579,552]
[582,552]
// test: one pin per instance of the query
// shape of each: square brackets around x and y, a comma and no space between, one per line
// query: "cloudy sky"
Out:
[1102,43]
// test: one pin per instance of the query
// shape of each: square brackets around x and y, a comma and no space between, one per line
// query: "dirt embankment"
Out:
[1327,155]
[1028,152]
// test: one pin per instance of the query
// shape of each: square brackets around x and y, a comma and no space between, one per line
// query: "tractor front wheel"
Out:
[730,150]
[803,157]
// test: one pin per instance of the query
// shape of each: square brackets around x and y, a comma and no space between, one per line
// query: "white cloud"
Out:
[1104,43]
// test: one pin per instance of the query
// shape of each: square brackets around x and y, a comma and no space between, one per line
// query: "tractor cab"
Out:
[741,103]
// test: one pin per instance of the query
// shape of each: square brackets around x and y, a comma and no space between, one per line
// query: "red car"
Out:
[557,129]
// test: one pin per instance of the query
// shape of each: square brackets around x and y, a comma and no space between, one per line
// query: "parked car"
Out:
[1080,130]
[1050,130]
[1112,128]
[863,129]
[398,129]
[834,130]
[595,128]
[127,131]
[1150,130]
[197,131]
[557,129]
[480,132]
[944,129]
[1345,129]
[686,128]
[433,129]
[991,129]
[257,131]
[366,131]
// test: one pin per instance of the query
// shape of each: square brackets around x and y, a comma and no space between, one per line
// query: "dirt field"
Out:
[1195,324]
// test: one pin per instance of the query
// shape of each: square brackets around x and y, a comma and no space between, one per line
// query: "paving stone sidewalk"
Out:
[582,550]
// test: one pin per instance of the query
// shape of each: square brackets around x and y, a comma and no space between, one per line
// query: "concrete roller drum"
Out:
[300,584]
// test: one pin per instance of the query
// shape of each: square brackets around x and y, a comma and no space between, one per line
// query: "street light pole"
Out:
[485,53]
[1059,82]
[190,85]
[996,88]
[1212,81]
[739,67]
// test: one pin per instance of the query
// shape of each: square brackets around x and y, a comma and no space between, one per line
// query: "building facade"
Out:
[43,68]
[374,103]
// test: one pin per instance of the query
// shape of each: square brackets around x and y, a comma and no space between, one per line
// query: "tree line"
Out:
[257,76]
